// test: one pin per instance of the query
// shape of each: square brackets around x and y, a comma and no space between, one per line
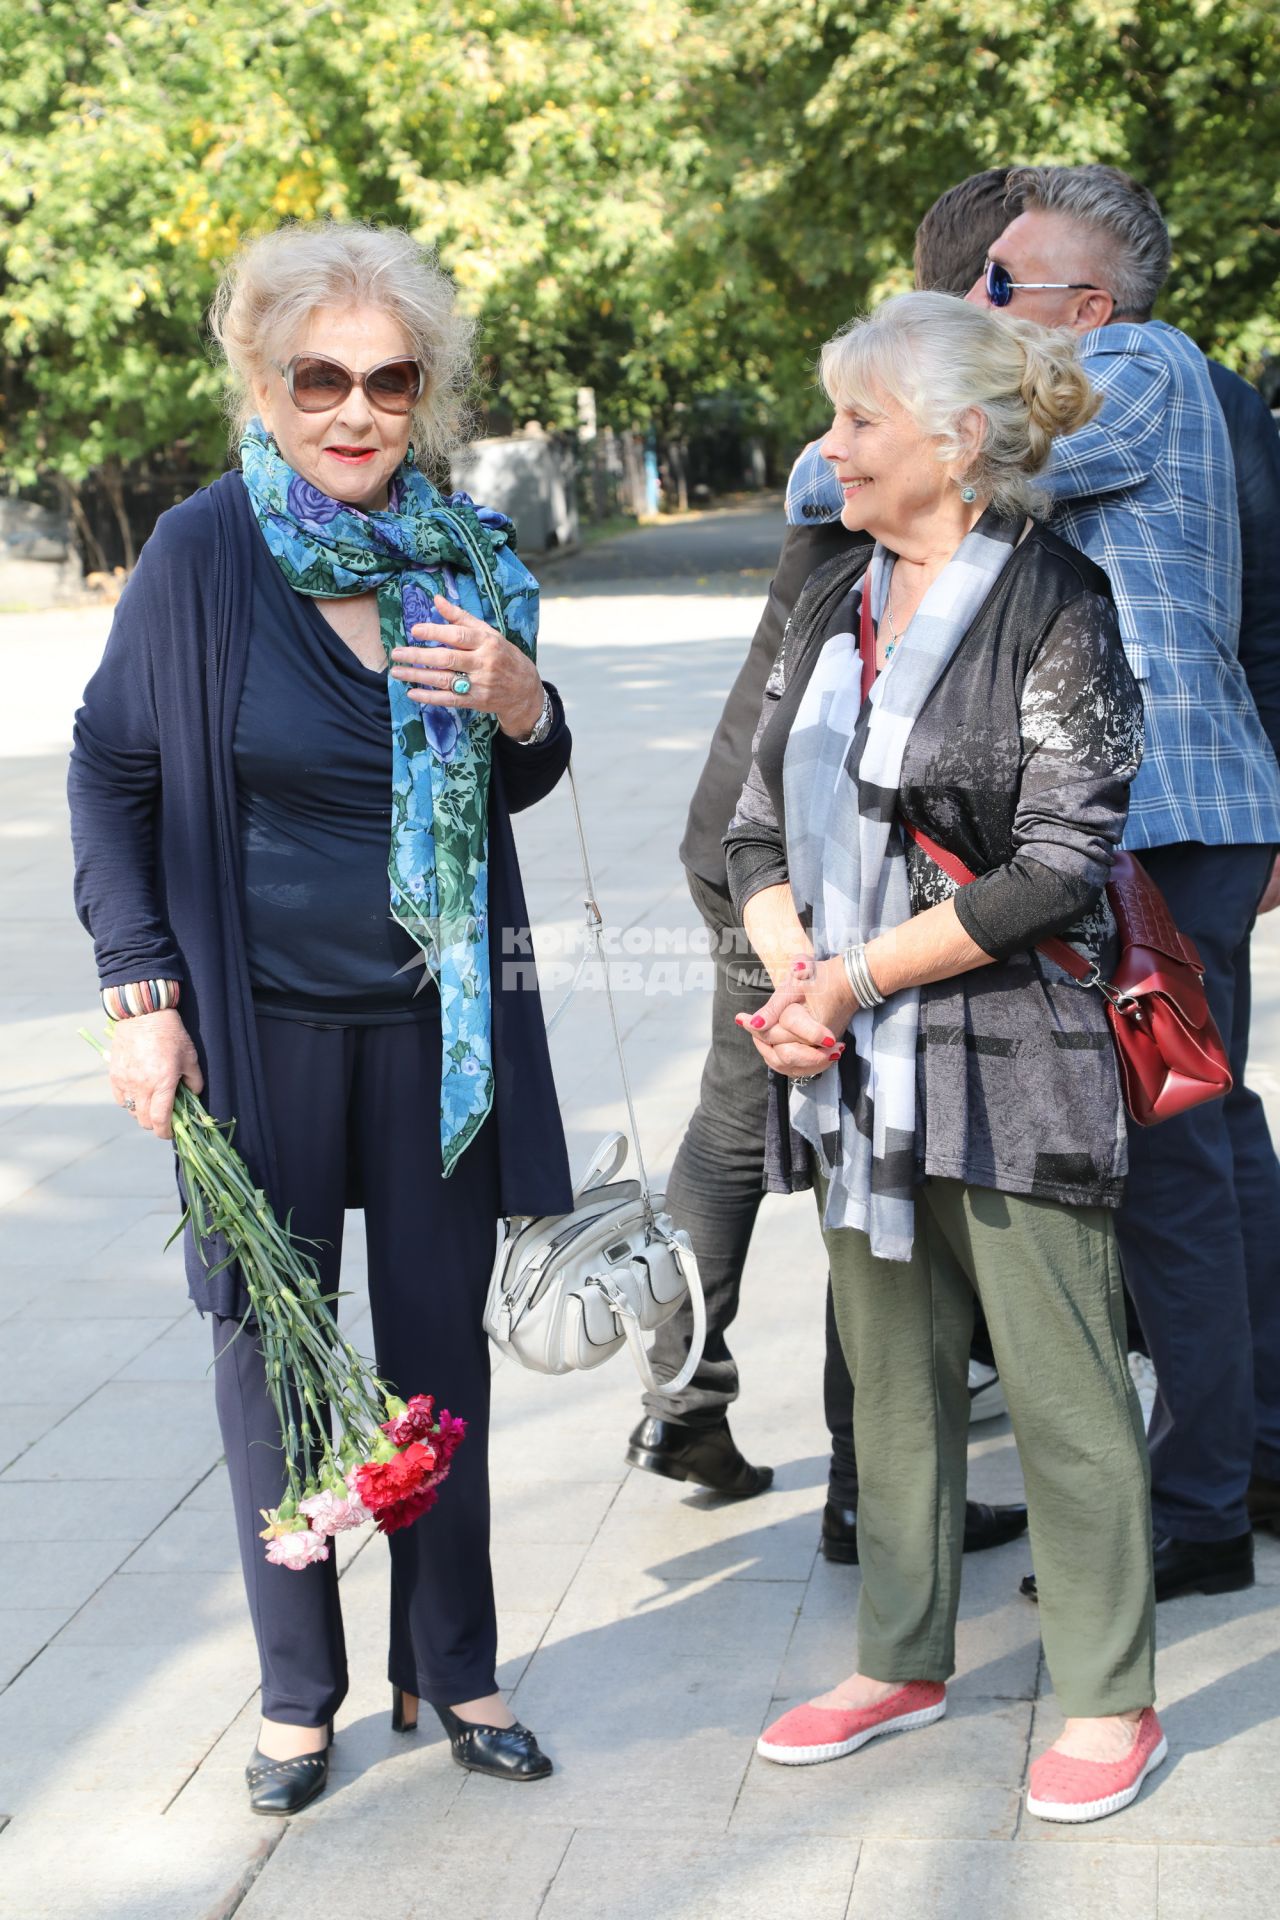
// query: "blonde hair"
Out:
[937,357]
[274,283]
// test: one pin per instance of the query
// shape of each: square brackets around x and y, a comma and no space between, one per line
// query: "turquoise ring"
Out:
[462,685]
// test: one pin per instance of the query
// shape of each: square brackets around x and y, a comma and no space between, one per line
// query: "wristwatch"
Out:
[542,725]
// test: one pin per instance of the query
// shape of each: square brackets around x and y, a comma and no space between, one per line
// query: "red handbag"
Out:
[1168,1048]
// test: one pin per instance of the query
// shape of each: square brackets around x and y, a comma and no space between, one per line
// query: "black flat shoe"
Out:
[706,1455]
[282,1787]
[507,1753]
[1191,1566]
[983,1527]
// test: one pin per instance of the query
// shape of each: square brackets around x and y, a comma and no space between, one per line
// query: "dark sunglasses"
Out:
[1001,286]
[317,383]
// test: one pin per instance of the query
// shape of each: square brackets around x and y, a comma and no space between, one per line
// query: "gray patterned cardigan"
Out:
[1020,763]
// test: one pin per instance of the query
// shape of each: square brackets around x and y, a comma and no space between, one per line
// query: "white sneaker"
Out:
[1143,1375]
[986,1395]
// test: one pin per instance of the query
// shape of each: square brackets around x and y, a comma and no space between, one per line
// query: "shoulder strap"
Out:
[955,869]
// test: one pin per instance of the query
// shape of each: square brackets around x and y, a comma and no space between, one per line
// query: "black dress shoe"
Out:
[282,1787]
[983,1527]
[508,1753]
[1191,1566]
[706,1455]
[1263,1500]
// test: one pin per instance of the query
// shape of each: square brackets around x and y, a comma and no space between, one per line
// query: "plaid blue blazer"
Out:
[1148,491]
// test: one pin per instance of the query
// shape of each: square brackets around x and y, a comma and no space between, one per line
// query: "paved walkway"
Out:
[647,1633]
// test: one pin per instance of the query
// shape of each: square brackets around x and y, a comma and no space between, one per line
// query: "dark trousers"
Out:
[355,1113]
[1200,1232]
[715,1190]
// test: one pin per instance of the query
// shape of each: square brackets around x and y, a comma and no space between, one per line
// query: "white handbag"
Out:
[570,1289]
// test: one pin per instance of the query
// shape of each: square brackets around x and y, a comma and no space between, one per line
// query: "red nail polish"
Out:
[756,1021]
[827,1040]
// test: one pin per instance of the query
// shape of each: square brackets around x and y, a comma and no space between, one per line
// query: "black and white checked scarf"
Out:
[848,874]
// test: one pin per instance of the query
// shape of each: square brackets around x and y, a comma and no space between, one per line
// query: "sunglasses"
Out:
[1001,286]
[316,383]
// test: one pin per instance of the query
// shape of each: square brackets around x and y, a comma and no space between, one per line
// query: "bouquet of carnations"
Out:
[383,1458]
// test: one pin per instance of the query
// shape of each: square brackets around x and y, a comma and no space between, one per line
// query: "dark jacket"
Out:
[1255,449]
[804,550]
[153,819]
[1038,824]
[1019,762]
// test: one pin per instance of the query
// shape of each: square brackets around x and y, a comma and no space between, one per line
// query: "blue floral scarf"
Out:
[421,545]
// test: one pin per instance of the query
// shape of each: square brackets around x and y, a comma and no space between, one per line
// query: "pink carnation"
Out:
[330,1513]
[297,1550]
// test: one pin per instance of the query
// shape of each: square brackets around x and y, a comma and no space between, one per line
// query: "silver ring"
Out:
[462,685]
[130,1106]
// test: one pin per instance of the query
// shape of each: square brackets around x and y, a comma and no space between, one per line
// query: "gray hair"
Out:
[938,357]
[274,283]
[1115,208]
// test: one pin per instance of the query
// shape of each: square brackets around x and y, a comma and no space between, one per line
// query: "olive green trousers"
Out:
[1048,1277]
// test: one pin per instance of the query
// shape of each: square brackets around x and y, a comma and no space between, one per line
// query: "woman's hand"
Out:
[150,1055]
[504,680]
[799,1029]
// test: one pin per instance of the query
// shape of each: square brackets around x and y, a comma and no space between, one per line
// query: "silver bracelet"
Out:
[542,725]
[858,974]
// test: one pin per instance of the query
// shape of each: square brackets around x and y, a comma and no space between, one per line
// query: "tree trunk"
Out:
[95,558]
[113,487]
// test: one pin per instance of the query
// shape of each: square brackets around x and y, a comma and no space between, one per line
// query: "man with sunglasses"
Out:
[1148,490]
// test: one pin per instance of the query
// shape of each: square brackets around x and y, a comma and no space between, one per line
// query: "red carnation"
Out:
[382,1483]
[403,1513]
[417,1422]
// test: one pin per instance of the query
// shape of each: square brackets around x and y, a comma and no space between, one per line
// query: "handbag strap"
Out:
[954,867]
[594,950]
[631,1328]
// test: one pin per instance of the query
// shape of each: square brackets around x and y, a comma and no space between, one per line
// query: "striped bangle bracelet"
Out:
[858,974]
[140,996]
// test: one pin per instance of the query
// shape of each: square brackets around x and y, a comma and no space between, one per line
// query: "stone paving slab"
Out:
[647,1630]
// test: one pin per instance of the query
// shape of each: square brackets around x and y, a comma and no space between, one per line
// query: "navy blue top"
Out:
[312,749]
[154,822]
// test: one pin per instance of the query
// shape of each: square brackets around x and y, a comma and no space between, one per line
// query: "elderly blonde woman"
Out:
[959,688]
[291,789]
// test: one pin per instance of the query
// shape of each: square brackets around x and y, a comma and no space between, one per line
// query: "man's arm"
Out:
[1123,444]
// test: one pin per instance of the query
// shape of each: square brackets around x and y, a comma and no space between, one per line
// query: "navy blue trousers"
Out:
[1200,1232]
[355,1114]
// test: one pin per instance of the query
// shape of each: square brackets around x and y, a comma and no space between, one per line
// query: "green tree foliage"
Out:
[660,199]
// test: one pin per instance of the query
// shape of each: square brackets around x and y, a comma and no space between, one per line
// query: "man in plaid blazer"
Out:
[1148,490]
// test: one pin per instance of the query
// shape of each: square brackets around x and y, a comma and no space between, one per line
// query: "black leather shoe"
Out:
[839,1537]
[706,1455]
[983,1527]
[282,1787]
[1263,1500]
[1191,1566]
[508,1753]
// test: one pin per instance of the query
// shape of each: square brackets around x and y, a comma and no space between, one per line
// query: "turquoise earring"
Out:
[968,495]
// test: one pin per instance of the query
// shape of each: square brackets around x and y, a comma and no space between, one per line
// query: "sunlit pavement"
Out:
[648,1633]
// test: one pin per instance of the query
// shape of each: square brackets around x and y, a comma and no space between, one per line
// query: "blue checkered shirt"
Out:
[1147,490]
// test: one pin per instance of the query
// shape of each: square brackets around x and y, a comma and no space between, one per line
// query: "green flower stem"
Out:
[313,1372]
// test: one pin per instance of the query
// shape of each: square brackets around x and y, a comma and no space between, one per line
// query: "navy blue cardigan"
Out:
[153,821]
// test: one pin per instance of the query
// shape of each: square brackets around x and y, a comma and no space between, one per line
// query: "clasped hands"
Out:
[504,680]
[800,1029]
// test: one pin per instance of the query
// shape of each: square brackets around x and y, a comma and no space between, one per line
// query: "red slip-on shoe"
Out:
[1065,1789]
[808,1734]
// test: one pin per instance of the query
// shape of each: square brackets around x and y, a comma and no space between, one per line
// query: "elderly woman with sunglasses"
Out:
[952,699]
[292,786]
